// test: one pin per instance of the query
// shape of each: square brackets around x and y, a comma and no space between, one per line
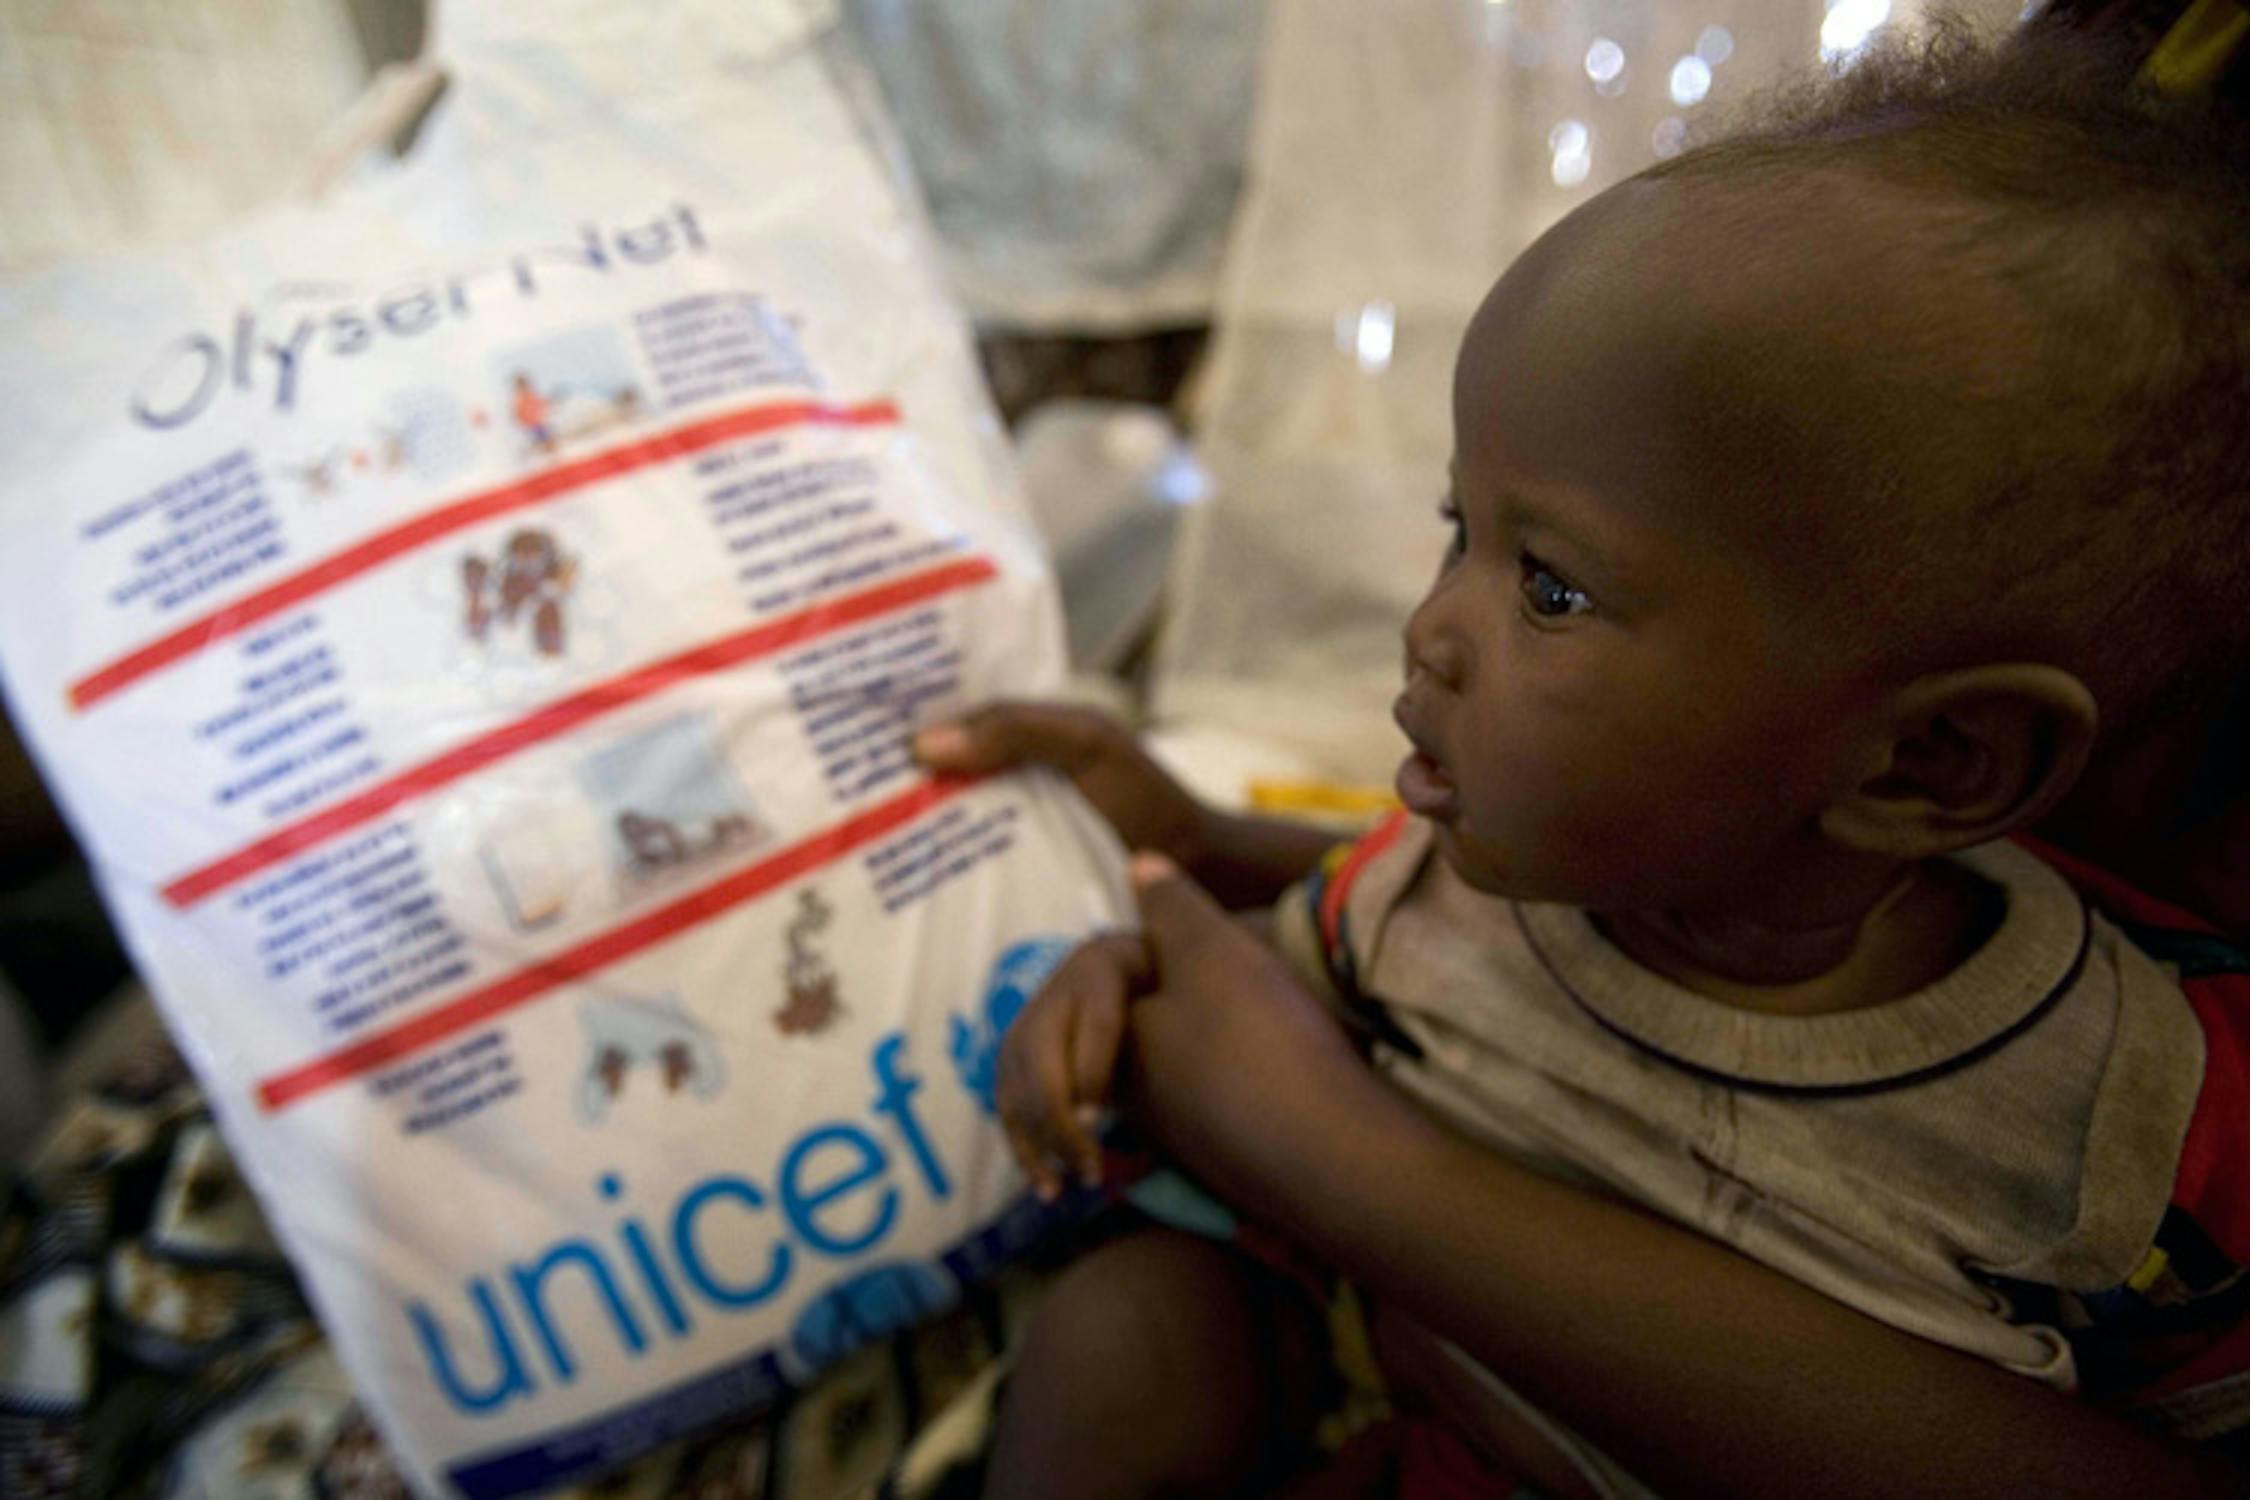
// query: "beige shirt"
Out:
[2021,1118]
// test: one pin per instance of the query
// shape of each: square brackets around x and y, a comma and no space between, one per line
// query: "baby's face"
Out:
[1615,694]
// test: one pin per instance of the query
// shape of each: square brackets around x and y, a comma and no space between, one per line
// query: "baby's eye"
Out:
[1450,513]
[1548,595]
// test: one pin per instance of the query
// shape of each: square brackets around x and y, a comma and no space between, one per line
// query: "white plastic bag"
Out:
[474,626]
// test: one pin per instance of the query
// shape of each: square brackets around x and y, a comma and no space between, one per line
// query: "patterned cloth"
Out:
[155,1346]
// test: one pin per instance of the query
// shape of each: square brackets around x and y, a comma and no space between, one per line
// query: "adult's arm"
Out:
[1701,1370]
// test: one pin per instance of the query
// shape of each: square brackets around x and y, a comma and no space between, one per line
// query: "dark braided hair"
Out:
[2095,165]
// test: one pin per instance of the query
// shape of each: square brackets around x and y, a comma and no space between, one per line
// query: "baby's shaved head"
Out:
[1986,317]
[1803,365]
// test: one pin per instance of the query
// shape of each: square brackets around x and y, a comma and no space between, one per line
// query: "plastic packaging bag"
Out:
[475,627]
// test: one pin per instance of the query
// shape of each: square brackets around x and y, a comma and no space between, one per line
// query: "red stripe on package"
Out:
[538,489]
[598,952]
[566,714]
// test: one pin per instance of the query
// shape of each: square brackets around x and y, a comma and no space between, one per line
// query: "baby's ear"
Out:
[1971,755]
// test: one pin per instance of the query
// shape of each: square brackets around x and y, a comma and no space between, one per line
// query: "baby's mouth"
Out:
[1423,782]
[1425,788]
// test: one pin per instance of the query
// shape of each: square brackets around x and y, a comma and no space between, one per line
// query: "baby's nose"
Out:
[1434,651]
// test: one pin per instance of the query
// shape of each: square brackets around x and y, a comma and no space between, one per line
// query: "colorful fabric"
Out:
[2173,1338]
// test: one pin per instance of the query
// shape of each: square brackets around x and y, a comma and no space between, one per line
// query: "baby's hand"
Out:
[1141,800]
[1059,1056]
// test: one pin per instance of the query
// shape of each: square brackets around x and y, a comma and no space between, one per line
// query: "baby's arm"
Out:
[1701,1370]
[1244,861]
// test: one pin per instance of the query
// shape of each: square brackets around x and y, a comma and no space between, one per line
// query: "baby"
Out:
[1828,505]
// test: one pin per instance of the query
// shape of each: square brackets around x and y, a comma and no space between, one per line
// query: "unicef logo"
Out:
[1015,979]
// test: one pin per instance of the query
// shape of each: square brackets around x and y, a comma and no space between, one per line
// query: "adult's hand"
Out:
[1060,1055]
[1210,1024]
[1227,1046]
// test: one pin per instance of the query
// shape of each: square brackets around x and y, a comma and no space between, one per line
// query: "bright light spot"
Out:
[1573,145]
[1604,60]
[1371,343]
[1691,80]
[1850,23]
[1179,480]
[1498,23]
[1670,137]
[1715,45]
